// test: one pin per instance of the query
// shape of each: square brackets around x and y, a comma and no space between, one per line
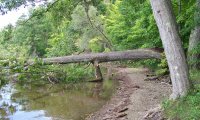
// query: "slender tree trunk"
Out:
[166,22]
[193,44]
[179,6]
[179,12]
[194,41]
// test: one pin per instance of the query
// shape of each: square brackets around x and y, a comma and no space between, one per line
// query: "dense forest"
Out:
[74,27]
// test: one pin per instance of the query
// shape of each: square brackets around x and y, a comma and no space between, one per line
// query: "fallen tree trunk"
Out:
[96,58]
[103,57]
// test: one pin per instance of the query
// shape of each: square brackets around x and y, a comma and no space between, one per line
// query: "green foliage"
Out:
[34,33]
[3,81]
[39,73]
[88,25]
[56,73]
[78,73]
[194,61]
[62,42]
[28,39]
[8,48]
[162,67]
[75,33]
[185,20]
[95,45]
[186,108]
[132,25]
[194,75]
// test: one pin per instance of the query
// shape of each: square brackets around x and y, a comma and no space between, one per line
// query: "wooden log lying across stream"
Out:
[103,57]
[96,58]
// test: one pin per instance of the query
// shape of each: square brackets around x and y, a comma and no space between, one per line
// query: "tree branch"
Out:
[94,26]
[41,13]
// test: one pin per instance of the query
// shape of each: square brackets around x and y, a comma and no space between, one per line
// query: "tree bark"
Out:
[98,73]
[179,12]
[102,57]
[166,22]
[194,41]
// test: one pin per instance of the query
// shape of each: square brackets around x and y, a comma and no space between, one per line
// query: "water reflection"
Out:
[32,115]
[57,102]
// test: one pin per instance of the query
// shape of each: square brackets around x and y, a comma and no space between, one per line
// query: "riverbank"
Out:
[135,98]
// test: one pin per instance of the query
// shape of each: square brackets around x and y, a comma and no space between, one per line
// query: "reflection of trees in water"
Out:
[105,89]
[6,106]
[96,90]
[3,113]
[6,110]
[108,72]
[71,101]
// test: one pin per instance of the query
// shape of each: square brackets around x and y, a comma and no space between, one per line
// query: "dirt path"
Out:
[134,97]
[148,97]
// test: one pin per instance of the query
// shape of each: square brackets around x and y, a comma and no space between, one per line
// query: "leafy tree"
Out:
[87,29]
[62,41]
[35,33]
[131,25]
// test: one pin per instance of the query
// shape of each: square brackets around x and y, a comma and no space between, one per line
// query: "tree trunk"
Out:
[102,57]
[98,73]
[179,12]
[166,22]
[194,41]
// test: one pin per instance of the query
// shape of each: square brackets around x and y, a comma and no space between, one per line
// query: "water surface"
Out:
[53,102]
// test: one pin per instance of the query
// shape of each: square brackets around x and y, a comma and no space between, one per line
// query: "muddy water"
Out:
[53,102]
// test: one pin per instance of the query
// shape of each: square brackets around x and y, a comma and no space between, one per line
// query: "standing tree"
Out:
[194,42]
[166,22]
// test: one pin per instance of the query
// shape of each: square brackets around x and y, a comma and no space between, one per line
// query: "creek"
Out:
[53,102]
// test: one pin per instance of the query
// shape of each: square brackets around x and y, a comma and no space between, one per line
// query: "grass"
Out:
[188,107]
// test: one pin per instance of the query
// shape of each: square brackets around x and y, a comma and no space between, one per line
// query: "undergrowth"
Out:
[188,107]
[18,71]
[71,73]
[159,67]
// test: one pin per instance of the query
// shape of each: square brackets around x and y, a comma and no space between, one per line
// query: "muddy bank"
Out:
[135,98]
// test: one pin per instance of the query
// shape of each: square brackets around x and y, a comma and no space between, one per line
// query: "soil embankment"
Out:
[135,98]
